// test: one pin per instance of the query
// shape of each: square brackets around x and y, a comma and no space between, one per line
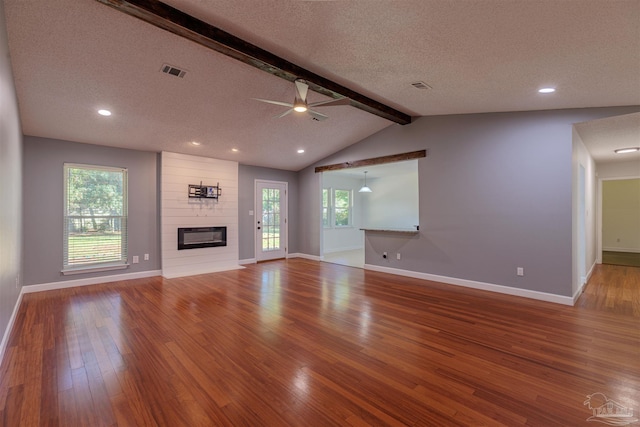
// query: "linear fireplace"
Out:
[201,237]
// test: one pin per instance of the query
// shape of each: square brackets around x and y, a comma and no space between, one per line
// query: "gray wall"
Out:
[10,186]
[495,194]
[43,205]
[246,201]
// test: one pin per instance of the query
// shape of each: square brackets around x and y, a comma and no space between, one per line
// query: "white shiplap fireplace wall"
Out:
[178,210]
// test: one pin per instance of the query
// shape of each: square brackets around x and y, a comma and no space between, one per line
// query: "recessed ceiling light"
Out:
[627,150]
[196,143]
[300,151]
[104,112]
[235,150]
[547,90]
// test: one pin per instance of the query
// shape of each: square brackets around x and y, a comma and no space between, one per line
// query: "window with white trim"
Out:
[326,207]
[342,208]
[95,217]
[337,207]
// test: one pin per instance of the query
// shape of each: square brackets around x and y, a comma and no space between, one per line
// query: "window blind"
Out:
[95,216]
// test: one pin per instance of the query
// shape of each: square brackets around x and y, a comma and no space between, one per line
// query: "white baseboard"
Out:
[89,281]
[590,272]
[247,261]
[580,289]
[347,248]
[305,256]
[632,250]
[12,319]
[542,296]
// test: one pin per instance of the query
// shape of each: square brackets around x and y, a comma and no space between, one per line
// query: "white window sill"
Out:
[93,269]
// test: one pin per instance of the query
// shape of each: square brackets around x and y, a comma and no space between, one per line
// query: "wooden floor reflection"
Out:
[304,343]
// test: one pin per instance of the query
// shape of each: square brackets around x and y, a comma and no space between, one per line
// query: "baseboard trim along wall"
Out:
[344,249]
[631,250]
[542,296]
[305,256]
[579,291]
[12,319]
[247,261]
[89,281]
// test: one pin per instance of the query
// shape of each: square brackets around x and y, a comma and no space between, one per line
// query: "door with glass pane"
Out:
[271,220]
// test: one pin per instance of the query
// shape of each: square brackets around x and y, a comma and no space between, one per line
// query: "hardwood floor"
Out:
[352,258]
[303,343]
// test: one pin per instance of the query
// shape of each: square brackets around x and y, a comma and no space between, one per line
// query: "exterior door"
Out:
[271,220]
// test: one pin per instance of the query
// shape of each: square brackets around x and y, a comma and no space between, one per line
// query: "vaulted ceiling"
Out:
[72,57]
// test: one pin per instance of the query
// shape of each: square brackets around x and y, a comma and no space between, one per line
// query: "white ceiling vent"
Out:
[421,85]
[174,71]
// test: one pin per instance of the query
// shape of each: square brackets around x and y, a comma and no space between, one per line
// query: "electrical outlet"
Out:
[520,271]
[146,257]
[398,255]
[384,255]
[136,259]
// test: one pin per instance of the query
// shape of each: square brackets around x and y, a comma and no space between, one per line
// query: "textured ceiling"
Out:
[604,136]
[71,57]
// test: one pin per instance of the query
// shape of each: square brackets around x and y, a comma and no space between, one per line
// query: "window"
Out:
[342,208]
[336,208]
[326,207]
[95,217]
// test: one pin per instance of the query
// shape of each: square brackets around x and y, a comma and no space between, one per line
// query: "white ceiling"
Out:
[604,136]
[71,57]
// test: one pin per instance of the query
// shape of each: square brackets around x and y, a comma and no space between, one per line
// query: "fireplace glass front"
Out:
[201,237]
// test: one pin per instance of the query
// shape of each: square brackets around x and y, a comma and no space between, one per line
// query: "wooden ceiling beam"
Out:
[173,20]
[373,161]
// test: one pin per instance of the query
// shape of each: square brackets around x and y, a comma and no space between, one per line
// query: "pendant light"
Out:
[364,188]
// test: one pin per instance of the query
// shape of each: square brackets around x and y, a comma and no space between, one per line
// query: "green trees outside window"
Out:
[336,207]
[95,216]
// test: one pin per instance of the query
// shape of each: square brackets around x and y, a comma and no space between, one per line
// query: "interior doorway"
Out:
[621,222]
[342,238]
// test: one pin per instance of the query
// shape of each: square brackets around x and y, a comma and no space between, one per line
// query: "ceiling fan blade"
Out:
[284,114]
[302,88]
[331,102]
[268,101]
[318,116]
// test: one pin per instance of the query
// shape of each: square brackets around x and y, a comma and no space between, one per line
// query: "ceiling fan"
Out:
[300,104]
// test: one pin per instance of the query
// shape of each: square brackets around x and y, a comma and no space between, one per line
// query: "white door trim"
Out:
[258,213]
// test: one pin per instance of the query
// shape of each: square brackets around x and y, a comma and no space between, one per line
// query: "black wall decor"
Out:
[204,191]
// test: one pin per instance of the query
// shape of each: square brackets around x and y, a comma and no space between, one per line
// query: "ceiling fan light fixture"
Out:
[300,106]
[365,188]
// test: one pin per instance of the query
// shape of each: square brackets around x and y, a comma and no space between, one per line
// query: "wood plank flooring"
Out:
[303,343]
